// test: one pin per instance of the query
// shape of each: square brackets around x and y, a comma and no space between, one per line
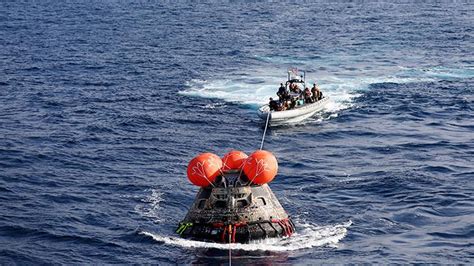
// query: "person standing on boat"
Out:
[307,96]
[283,93]
[291,86]
[294,88]
[282,88]
[317,95]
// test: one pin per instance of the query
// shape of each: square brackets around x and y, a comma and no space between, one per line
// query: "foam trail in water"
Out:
[341,91]
[440,73]
[308,236]
[342,88]
[150,206]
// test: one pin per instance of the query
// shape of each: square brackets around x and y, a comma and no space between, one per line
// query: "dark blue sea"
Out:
[104,103]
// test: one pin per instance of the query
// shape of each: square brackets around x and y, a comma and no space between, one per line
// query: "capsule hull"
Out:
[237,214]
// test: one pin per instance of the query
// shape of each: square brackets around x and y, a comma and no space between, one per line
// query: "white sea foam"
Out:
[341,91]
[307,236]
[213,106]
[257,86]
[440,73]
[150,206]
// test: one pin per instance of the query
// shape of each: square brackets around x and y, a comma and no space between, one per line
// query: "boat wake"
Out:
[254,89]
[308,236]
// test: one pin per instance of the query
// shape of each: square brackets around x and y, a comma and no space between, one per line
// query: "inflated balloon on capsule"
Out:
[261,167]
[204,168]
[233,160]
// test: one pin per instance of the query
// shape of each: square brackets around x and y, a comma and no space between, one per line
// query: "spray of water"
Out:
[308,236]
[150,206]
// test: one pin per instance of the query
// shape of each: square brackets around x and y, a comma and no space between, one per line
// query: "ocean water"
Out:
[103,104]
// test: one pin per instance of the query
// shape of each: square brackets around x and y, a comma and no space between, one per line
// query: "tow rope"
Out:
[230,240]
[265,130]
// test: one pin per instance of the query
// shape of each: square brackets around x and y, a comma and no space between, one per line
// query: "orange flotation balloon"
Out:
[203,169]
[261,167]
[233,160]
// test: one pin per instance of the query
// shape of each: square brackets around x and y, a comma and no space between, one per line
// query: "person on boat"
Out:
[307,96]
[291,86]
[315,91]
[283,93]
[274,105]
[293,103]
[282,87]
[294,88]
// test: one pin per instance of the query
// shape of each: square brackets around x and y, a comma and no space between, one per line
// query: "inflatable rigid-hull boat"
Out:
[291,116]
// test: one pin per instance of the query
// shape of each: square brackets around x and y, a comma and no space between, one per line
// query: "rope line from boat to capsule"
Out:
[265,130]
[261,144]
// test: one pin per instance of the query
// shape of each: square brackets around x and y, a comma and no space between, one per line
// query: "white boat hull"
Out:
[292,116]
